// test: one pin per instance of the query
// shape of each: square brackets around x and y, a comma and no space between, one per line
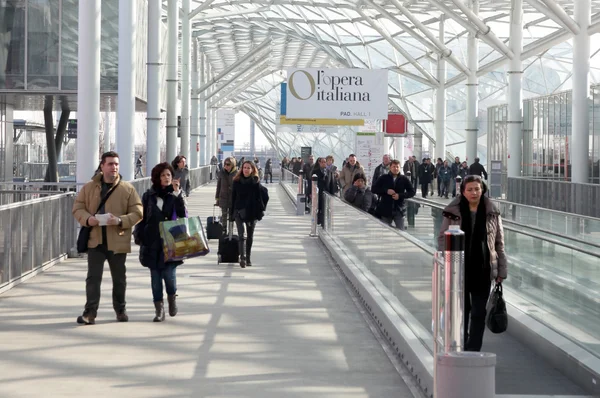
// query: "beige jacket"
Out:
[124,202]
[347,175]
[495,234]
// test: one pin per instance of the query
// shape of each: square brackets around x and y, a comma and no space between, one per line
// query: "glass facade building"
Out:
[547,124]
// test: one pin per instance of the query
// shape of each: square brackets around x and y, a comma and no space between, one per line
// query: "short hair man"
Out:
[110,237]
[393,188]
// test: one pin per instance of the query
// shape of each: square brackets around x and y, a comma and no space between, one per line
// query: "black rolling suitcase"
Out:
[214,229]
[228,247]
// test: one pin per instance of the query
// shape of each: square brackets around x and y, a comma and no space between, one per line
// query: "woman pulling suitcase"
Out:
[248,204]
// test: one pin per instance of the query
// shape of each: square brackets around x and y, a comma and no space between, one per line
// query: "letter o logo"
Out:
[310,80]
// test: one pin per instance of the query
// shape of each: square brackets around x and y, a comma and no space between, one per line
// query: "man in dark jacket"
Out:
[426,173]
[455,170]
[324,184]
[477,169]
[382,169]
[392,189]
[359,195]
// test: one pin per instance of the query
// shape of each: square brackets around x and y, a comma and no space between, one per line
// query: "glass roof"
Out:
[393,34]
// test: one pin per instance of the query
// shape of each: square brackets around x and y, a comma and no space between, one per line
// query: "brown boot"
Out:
[172,305]
[160,311]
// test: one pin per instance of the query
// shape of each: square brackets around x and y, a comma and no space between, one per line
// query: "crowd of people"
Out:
[111,209]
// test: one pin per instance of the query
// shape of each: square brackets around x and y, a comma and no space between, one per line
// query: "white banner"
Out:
[306,128]
[337,93]
[226,125]
[369,151]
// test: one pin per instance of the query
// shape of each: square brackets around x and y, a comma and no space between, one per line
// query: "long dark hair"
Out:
[157,171]
[240,173]
[175,162]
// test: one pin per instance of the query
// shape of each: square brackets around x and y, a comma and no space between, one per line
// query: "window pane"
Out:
[12,49]
[42,44]
[70,16]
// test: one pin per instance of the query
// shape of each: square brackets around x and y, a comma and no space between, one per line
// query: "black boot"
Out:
[160,311]
[172,305]
[248,249]
[242,250]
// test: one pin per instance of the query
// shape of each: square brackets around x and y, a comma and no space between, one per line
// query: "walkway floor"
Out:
[284,328]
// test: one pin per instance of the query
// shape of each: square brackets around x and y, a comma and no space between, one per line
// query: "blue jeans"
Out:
[168,274]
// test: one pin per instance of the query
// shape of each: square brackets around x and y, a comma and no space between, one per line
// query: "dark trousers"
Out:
[96,258]
[475,303]
[168,275]
[269,174]
[245,234]
[424,189]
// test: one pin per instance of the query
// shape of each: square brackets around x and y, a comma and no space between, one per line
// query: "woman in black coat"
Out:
[248,203]
[163,201]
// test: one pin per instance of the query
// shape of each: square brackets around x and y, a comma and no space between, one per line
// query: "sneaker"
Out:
[85,320]
[122,316]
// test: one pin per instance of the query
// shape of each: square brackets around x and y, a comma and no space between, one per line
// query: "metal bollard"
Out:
[466,375]
[458,181]
[300,196]
[301,183]
[314,206]
[454,281]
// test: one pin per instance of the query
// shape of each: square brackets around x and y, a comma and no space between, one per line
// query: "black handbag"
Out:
[84,232]
[497,318]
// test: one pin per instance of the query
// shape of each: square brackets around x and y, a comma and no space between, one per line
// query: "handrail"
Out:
[517,224]
[575,215]
[36,200]
[544,238]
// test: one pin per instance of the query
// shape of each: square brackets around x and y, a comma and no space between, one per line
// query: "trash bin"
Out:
[466,375]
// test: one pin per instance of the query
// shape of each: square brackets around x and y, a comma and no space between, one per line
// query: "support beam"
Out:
[194,122]
[237,64]
[185,80]
[52,168]
[440,102]
[233,79]
[547,11]
[88,82]
[209,136]
[249,80]
[202,103]
[153,118]
[515,96]
[398,48]
[440,45]
[172,35]
[199,9]
[125,136]
[472,130]
[562,15]
[252,138]
[579,145]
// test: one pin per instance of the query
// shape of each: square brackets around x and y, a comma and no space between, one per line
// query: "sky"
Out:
[242,132]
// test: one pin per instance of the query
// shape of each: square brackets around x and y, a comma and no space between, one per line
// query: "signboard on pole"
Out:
[369,151]
[226,125]
[72,129]
[337,93]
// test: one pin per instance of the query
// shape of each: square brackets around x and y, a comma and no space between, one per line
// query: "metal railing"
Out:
[41,230]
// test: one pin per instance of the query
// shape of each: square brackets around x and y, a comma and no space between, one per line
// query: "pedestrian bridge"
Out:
[347,314]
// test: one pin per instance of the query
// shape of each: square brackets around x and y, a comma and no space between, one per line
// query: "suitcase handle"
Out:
[214,208]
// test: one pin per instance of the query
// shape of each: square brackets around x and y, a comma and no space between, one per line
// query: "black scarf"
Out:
[162,192]
[476,251]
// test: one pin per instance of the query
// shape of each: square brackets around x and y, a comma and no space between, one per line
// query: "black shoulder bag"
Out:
[84,232]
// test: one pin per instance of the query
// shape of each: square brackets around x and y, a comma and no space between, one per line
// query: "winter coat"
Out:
[347,175]
[478,170]
[463,172]
[268,167]
[307,169]
[361,198]
[426,173]
[455,169]
[387,205]
[124,202]
[147,231]
[445,173]
[224,186]
[184,180]
[495,234]
[379,171]
[248,197]
[325,182]
[296,167]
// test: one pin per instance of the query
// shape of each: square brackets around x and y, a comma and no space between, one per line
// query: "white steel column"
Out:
[185,79]
[418,145]
[471,131]
[515,96]
[209,137]
[203,141]
[440,102]
[126,95]
[580,144]
[194,125]
[88,84]
[153,117]
[172,35]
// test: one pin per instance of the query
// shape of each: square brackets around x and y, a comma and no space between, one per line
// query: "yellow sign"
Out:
[323,122]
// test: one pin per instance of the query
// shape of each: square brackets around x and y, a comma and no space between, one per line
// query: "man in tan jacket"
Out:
[110,237]
[350,169]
